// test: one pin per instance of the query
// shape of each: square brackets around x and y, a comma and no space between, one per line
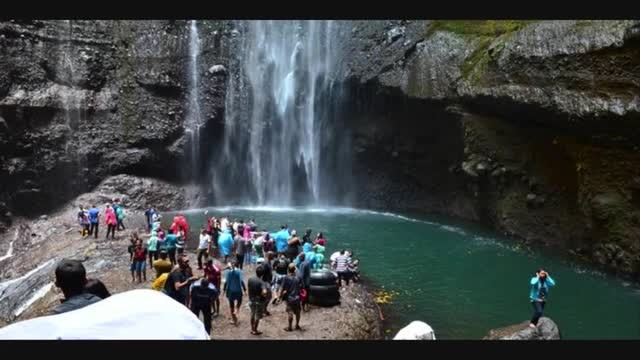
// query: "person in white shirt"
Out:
[204,247]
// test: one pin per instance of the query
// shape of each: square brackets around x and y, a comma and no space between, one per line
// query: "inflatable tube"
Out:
[324,291]
[322,278]
[324,301]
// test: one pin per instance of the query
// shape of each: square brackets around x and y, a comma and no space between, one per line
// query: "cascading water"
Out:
[194,121]
[279,112]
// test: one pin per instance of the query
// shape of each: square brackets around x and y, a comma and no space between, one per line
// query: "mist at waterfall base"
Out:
[283,142]
[459,278]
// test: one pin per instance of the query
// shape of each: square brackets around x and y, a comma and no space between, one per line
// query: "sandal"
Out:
[288,329]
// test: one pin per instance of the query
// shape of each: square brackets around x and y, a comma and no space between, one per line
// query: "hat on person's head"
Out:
[164,252]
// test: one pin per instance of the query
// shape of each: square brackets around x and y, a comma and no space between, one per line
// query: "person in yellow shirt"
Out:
[162,265]
[158,283]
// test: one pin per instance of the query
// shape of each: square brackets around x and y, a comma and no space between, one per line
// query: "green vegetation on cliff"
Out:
[483,33]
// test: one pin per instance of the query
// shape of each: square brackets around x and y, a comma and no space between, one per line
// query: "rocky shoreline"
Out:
[26,290]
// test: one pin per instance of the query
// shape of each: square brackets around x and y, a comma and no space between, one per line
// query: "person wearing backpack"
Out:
[290,292]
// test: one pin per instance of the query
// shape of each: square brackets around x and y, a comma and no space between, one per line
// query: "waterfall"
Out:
[276,116]
[69,100]
[193,121]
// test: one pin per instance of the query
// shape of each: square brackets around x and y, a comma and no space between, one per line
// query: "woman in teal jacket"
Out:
[540,285]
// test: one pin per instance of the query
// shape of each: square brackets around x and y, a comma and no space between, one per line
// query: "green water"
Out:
[460,279]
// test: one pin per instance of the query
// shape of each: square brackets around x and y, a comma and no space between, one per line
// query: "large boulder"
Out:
[417,330]
[546,330]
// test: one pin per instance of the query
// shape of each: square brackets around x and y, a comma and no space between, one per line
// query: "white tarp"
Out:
[417,330]
[136,314]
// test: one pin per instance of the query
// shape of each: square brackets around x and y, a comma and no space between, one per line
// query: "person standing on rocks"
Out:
[267,277]
[111,222]
[71,278]
[257,297]
[178,281]
[280,265]
[239,246]
[202,294]
[225,243]
[233,288]
[83,220]
[540,285]
[304,272]
[94,218]
[152,248]
[119,215]
[180,244]
[290,292]
[342,268]
[171,240]
[162,265]
[204,247]
[139,261]
[147,216]
[214,275]
[293,246]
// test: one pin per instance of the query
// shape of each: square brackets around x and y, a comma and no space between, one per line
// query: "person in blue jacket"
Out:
[225,243]
[538,293]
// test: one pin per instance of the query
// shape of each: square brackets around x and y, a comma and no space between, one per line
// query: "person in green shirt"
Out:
[152,248]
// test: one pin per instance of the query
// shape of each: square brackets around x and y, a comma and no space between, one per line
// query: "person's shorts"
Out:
[234,296]
[257,309]
[293,308]
[139,266]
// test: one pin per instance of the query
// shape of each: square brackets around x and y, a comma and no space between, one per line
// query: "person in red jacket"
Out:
[111,221]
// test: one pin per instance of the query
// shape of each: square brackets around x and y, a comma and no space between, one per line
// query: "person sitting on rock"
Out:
[71,278]
[320,240]
[540,285]
[97,288]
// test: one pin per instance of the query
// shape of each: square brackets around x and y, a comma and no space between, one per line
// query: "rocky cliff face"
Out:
[528,126]
[81,100]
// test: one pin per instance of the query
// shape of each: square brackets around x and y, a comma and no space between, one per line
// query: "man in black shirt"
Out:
[257,297]
[307,237]
[71,278]
[202,296]
[290,291]
[178,281]
[267,277]
[280,265]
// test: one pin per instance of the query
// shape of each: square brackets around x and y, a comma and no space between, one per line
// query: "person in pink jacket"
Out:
[111,221]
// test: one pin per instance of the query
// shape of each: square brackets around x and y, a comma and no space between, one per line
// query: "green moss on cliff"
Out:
[484,33]
[485,28]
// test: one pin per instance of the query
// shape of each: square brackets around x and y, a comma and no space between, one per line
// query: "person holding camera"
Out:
[540,285]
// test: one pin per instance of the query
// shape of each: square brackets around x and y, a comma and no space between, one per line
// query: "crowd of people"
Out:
[283,265]
[89,219]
